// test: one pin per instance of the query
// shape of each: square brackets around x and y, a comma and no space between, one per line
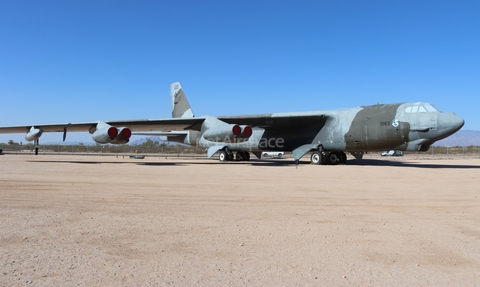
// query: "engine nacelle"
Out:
[246,131]
[123,136]
[112,135]
[228,133]
[33,134]
[105,135]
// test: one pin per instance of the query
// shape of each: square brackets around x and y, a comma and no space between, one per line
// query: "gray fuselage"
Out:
[405,126]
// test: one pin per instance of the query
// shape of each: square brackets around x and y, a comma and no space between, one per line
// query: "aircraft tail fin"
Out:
[180,106]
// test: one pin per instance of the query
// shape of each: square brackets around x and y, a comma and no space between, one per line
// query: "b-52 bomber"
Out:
[327,135]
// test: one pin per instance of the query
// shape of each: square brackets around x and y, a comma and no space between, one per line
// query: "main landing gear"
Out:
[331,158]
[228,155]
[36,147]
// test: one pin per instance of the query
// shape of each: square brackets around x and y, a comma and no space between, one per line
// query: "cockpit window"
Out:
[430,108]
[421,108]
[413,109]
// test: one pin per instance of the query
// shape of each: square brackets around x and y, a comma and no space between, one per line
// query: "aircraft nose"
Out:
[450,123]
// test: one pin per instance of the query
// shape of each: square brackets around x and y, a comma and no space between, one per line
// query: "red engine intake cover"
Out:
[126,133]
[247,131]
[236,130]
[112,132]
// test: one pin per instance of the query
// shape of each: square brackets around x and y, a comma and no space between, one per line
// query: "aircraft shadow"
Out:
[354,162]
[281,163]
[69,161]
[161,164]
[377,162]
[110,162]
[368,162]
[276,162]
[253,162]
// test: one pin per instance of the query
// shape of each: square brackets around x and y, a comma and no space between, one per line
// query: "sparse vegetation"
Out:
[148,147]
[155,147]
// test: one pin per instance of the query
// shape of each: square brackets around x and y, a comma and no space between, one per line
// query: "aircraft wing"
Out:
[277,121]
[177,124]
[119,132]
[135,125]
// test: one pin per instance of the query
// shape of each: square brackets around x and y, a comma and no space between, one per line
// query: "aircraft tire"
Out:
[333,158]
[239,156]
[246,156]
[342,158]
[317,158]
[223,156]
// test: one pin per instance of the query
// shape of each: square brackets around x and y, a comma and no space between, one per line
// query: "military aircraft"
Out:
[327,135]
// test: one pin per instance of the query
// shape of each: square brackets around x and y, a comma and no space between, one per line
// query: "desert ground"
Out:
[106,221]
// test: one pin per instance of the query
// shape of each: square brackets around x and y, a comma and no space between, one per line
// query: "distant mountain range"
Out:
[461,138]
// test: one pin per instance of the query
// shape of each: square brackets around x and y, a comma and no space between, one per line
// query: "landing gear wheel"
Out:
[333,158]
[36,146]
[245,156]
[223,156]
[317,158]
[239,156]
[242,156]
[342,158]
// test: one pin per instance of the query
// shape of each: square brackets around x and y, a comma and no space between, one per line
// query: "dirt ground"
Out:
[107,221]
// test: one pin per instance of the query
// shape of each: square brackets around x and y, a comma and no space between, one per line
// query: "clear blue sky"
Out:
[70,61]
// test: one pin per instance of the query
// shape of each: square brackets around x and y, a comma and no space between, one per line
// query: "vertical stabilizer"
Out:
[180,106]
